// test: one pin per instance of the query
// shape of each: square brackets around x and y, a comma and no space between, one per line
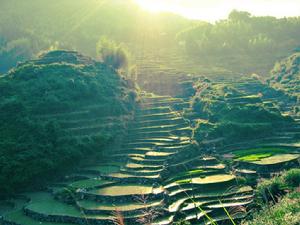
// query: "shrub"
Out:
[285,212]
[66,195]
[241,180]
[113,54]
[292,178]
[270,190]
[273,189]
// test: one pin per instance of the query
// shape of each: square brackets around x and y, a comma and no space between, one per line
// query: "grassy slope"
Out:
[275,208]
[287,211]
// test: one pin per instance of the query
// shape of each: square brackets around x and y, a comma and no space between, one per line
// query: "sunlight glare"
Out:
[153,6]
[214,10]
[185,8]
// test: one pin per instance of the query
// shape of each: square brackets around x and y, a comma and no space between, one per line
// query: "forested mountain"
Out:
[242,43]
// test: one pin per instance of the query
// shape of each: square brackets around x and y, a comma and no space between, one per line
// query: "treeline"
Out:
[243,39]
[242,43]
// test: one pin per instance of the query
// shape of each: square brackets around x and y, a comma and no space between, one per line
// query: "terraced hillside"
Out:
[55,110]
[151,180]
[172,165]
[285,76]
[248,122]
[163,71]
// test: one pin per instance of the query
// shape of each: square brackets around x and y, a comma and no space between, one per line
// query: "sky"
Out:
[213,10]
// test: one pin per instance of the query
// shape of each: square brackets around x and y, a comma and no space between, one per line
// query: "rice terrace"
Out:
[148,112]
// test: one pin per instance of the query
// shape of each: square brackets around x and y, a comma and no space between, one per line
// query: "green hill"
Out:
[53,110]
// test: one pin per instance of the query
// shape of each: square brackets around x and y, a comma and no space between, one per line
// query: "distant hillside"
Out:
[29,27]
[243,43]
[166,43]
[286,77]
[56,110]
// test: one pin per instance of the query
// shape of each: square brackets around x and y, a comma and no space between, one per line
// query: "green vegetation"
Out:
[138,185]
[37,97]
[112,54]
[269,190]
[277,159]
[273,189]
[255,157]
[66,195]
[82,143]
[285,76]
[122,21]
[284,210]
[267,150]
[259,153]
[233,113]
[244,42]
[292,178]
[241,43]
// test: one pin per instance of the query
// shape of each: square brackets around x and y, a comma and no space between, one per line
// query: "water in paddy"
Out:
[154,178]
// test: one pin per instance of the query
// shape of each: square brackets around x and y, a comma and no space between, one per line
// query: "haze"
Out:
[214,10]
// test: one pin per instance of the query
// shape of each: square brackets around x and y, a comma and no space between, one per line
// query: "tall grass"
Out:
[149,213]
[118,218]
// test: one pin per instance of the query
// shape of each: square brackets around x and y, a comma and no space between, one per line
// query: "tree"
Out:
[239,16]
[113,54]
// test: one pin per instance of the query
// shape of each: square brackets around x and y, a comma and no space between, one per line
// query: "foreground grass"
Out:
[278,200]
[286,211]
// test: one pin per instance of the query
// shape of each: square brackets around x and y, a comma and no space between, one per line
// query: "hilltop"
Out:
[53,111]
